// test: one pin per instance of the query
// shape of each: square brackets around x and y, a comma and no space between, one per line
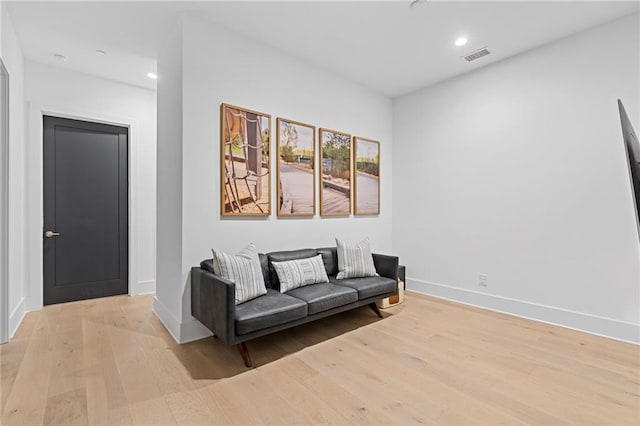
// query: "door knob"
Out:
[50,234]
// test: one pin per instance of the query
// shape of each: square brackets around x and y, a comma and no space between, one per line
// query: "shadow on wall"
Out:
[211,359]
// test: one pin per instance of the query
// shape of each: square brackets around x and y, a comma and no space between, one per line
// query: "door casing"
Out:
[4,204]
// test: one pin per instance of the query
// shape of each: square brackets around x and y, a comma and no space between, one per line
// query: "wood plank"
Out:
[11,356]
[69,408]
[106,399]
[27,401]
[110,361]
[291,388]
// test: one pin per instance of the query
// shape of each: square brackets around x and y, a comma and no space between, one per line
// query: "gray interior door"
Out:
[85,210]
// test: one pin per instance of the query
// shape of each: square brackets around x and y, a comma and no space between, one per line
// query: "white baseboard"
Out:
[167,319]
[593,324]
[184,332]
[144,287]
[193,329]
[16,317]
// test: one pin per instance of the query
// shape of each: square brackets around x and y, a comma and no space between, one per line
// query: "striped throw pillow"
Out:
[355,260]
[300,272]
[243,269]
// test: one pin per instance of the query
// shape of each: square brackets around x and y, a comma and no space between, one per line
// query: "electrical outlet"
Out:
[482,280]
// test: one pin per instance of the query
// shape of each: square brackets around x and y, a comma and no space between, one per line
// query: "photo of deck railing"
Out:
[245,162]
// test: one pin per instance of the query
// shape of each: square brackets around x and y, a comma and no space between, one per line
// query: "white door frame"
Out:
[4,203]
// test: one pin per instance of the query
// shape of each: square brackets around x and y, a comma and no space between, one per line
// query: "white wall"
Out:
[59,92]
[12,57]
[221,66]
[4,190]
[4,201]
[168,300]
[517,170]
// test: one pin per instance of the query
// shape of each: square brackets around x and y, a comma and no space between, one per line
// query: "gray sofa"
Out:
[213,297]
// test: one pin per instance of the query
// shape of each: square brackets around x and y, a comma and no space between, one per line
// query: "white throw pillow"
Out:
[300,272]
[355,260]
[243,269]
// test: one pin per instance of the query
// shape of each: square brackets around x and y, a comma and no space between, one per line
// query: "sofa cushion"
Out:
[271,309]
[300,272]
[355,260]
[330,259]
[207,265]
[283,256]
[368,286]
[322,297]
[243,269]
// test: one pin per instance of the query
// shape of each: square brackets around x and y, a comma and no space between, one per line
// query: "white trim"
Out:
[35,211]
[143,287]
[16,318]
[170,322]
[588,323]
[184,332]
[4,207]
[192,329]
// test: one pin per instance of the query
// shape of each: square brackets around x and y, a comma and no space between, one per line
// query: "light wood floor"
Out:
[110,361]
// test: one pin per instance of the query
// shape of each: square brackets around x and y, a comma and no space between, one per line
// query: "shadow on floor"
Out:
[211,359]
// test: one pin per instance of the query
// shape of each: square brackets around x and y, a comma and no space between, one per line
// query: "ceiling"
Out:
[384,45]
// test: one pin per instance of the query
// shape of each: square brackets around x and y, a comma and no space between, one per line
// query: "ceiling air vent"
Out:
[477,54]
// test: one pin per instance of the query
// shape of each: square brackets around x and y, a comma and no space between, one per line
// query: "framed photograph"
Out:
[335,184]
[366,166]
[245,184]
[296,168]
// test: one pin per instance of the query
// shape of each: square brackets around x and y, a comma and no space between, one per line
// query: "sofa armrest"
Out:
[386,266]
[213,303]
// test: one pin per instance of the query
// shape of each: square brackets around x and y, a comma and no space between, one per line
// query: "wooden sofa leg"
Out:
[244,353]
[375,309]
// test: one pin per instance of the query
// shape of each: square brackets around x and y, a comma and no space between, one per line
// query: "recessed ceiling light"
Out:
[59,57]
[101,52]
[152,76]
[461,41]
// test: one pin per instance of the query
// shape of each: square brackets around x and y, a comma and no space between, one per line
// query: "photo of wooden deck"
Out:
[296,145]
[334,200]
[367,182]
[295,181]
[335,188]
[368,192]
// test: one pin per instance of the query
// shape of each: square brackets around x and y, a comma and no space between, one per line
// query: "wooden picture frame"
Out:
[366,182]
[296,168]
[245,162]
[335,173]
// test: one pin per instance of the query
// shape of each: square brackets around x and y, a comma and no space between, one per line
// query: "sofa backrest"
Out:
[329,258]
[207,265]
[264,263]
[282,256]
